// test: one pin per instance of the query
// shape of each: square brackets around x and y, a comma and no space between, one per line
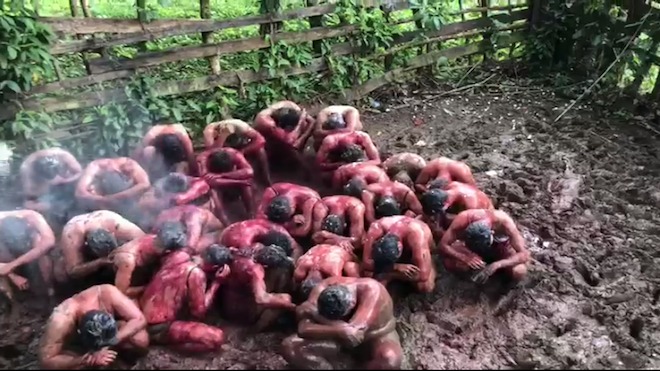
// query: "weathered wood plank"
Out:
[489,8]
[80,81]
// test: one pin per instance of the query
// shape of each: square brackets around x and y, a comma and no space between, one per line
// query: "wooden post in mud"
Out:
[487,35]
[205,13]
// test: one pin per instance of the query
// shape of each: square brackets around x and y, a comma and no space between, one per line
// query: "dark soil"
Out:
[585,192]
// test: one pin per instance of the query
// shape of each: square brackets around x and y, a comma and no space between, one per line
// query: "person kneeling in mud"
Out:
[176,189]
[349,313]
[399,248]
[48,180]
[25,237]
[345,148]
[197,222]
[87,241]
[166,149]
[442,171]
[389,199]
[89,328]
[323,261]
[289,205]
[226,170]
[242,235]
[182,281]
[333,120]
[238,135]
[485,242]
[351,179]
[404,167]
[338,220]
[112,184]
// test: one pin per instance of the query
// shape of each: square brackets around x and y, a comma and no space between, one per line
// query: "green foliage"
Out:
[24,51]
[432,14]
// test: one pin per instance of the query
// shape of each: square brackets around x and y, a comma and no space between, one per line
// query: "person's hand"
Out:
[318,237]
[5,269]
[475,263]
[408,270]
[353,336]
[298,220]
[103,357]
[222,272]
[21,282]
[347,246]
[485,274]
[305,310]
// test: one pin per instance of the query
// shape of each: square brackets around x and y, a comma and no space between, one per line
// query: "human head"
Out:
[335,302]
[334,224]
[387,206]
[354,187]
[170,147]
[278,239]
[437,184]
[113,182]
[352,153]
[220,161]
[433,201]
[272,256]
[46,167]
[16,235]
[335,121]
[279,210]
[100,242]
[97,329]
[172,236]
[308,285]
[217,256]
[237,140]
[385,252]
[286,118]
[175,183]
[478,237]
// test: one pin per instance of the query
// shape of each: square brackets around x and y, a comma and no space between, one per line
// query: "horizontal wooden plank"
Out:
[102,65]
[490,9]
[80,81]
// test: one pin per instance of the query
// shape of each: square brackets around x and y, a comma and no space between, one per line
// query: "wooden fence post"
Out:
[205,13]
[142,17]
[316,21]
[487,35]
[270,7]
[73,6]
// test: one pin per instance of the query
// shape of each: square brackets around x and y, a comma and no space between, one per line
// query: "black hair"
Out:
[175,183]
[100,242]
[477,237]
[170,147]
[278,239]
[272,256]
[335,121]
[437,184]
[46,167]
[352,153]
[308,285]
[97,329]
[279,210]
[286,118]
[237,141]
[433,201]
[334,224]
[385,252]
[387,206]
[354,187]
[172,235]
[218,255]
[16,235]
[113,182]
[221,161]
[335,302]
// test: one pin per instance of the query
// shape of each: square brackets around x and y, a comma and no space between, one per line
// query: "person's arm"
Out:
[74,263]
[307,208]
[375,232]
[202,162]
[261,295]
[451,235]
[149,136]
[200,298]
[194,221]
[368,199]
[26,175]
[323,153]
[52,355]
[318,215]
[42,242]
[314,331]
[352,119]
[267,197]
[337,179]
[309,309]
[370,150]
[424,177]
[368,306]
[300,273]
[212,223]
[190,151]
[124,266]
[209,135]
[127,231]
[257,141]
[198,188]
[127,310]
[356,218]
[412,202]
[85,182]
[141,179]
[421,252]
[465,174]
[72,165]
[517,243]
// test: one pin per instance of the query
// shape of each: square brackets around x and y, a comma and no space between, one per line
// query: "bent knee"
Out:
[426,287]
[216,338]
[290,346]
[389,358]
[141,340]
[519,272]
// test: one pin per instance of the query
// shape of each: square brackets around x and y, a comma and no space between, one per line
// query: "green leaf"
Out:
[11,85]
[11,52]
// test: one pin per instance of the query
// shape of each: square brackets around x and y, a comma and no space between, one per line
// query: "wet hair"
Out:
[172,236]
[308,285]
[113,182]
[433,201]
[170,147]
[279,210]
[335,121]
[286,118]
[334,224]
[352,153]
[385,252]
[46,167]
[437,184]
[335,302]
[278,239]
[218,255]
[477,237]
[272,256]
[16,235]
[175,183]
[354,187]
[237,140]
[387,206]
[220,162]
[97,329]
[100,242]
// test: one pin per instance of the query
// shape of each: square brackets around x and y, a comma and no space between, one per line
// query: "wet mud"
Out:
[585,191]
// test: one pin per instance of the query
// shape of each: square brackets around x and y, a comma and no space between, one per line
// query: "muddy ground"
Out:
[584,190]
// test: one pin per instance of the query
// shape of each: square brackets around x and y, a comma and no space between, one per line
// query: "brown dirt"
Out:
[584,191]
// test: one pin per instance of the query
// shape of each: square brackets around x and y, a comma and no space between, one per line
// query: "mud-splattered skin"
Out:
[197,220]
[415,245]
[61,329]
[130,256]
[404,167]
[179,282]
[335,142]
[88,191]
[296,138]
[323,261]
[405,197]
[369,328]
[350,116]
[367,172]
[149,157]
[445,169]
[507,250]
[241,176]
[351,210]
[301,199]
[243,235]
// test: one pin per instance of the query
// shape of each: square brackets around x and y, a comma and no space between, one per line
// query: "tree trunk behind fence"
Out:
[73,6]
[142,17]
[207,37]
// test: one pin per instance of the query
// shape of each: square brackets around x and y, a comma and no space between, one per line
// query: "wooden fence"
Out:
[93,37]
